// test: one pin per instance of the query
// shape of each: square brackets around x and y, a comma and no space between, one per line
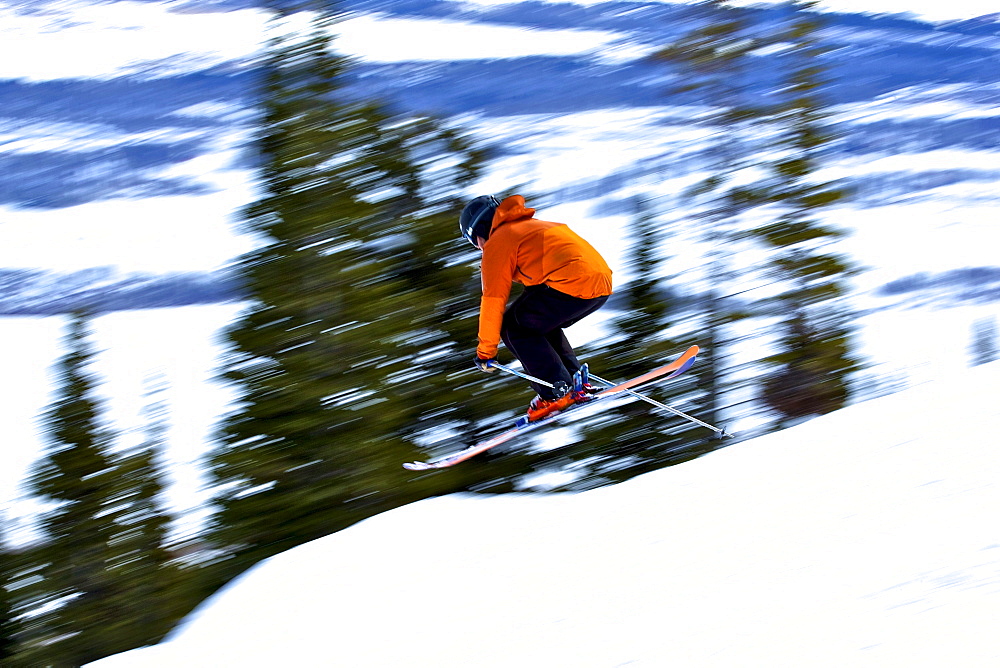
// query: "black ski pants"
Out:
[532,330]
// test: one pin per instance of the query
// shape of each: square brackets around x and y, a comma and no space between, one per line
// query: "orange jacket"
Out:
[533,252]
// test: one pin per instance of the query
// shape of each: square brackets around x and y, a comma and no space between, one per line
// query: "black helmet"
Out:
[477,218]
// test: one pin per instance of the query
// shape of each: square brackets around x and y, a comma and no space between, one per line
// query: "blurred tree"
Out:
[763,166]
[73,603]
[8,626]
[23,583]
[98,580]
[985,341]
[147,580]
[713,59]
[814,360]
[352,355]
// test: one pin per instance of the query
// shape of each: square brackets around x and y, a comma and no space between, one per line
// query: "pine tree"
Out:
[815,359]
[781,139]
[146,579]
[8,626]
[76,476]
[713,61]
[348,357]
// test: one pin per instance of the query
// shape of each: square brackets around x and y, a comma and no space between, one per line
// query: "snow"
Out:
[915,346]
[928,10]
[910,237]
[128,37]
[142,235]
[862,538]
[144,38]
[120,38]
[379,39]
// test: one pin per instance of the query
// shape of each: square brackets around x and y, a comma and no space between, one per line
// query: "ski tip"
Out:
[683,367]
[416,466]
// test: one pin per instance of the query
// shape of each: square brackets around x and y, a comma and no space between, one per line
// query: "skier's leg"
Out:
[557,337]
[560,344]
[524,331]
[532,331]
[537,356]
[585,308]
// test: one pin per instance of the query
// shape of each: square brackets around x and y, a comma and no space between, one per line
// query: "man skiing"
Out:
[565,280]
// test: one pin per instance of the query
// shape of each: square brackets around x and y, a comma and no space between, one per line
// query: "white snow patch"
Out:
[155,234]
[378,38]
[80,39]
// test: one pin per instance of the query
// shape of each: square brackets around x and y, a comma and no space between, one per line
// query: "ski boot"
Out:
[540,408]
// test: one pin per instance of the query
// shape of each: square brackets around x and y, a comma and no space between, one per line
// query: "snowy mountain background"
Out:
[864,538]
[124,163]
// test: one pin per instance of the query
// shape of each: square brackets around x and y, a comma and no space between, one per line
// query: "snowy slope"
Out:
[863,538]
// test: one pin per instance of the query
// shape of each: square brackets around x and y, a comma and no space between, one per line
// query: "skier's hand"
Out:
[485,365]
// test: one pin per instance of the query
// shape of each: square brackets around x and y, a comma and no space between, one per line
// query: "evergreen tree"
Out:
[8,627]
[146,579]
[779,142]
[352,352]
[25,592]
[815,360]
[76,476]
[713,61]
[100,580]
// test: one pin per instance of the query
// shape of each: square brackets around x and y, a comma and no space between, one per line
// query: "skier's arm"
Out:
[498,274]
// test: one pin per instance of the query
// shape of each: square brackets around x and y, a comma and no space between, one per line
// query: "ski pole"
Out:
[721,432]
[517,373]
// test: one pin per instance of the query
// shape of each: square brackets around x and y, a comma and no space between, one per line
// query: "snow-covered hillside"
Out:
[863,538]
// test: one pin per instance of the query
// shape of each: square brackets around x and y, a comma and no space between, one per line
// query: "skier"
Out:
[565,280]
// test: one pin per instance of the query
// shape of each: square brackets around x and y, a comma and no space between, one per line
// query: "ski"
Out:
[674,368]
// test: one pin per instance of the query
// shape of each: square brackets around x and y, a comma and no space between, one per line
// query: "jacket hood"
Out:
[511,209]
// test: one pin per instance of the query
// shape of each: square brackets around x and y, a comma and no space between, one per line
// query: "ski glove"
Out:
[485,365]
